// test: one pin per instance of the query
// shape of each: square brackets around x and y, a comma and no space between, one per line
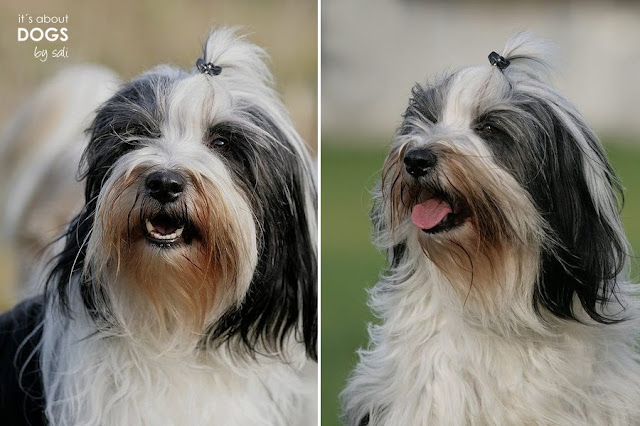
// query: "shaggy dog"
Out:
[185,293]
[506,301]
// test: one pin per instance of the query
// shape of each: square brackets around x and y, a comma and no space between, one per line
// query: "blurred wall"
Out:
[373,51]
[132,36]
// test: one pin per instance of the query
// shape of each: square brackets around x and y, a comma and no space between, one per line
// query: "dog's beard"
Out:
[467,216]
[171,266]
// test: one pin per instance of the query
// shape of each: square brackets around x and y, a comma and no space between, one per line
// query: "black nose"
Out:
[165,186]
[419,161]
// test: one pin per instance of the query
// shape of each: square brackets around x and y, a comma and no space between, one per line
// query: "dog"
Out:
[507,299]
[186,290]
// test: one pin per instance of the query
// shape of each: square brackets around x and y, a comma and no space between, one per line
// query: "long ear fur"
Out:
[125,113]
[282,297]
[575,190]
[588,250]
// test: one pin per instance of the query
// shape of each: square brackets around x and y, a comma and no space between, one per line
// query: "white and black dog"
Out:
[507,299]
[186,290]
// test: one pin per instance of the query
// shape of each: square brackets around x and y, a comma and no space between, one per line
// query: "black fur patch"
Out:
[21,394]
[426,103]
[542,154]
[283,291]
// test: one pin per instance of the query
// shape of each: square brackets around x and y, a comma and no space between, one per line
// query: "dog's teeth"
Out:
[164,237]
[177,233]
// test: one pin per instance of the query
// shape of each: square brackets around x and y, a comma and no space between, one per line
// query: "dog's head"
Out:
[497,179]
[200,207]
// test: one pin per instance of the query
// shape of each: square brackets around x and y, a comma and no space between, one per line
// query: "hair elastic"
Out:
[498,60]
[207,67]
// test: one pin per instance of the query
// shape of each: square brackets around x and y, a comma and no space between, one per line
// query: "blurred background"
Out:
[374,51]
[129,37]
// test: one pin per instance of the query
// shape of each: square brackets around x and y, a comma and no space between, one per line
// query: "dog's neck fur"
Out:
[92,379]
[433,361]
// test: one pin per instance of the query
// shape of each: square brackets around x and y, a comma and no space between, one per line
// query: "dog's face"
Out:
[496,178]
[200,206]
[178,175]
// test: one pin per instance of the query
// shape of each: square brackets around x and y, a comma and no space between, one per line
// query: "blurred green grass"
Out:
[350,263]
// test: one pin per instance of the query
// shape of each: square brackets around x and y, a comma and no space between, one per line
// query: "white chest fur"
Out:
[117,381]
[428,366]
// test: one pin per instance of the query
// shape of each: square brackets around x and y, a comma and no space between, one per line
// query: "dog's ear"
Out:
[576,192]
[70,262]
[128,112]
[281,301]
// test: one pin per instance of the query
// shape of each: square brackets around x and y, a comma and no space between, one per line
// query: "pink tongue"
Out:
[430,213]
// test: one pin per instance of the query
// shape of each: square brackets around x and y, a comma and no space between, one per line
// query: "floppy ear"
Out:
[576,195]
[282,297]
[125,113]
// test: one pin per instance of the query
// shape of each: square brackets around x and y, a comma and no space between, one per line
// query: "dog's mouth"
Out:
[438,213]
[166,231]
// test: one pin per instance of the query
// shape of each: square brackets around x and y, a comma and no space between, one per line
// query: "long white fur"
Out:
[96,380]
[436,358]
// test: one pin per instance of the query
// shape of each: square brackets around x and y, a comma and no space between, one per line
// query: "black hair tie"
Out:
[207,67]
[499,61]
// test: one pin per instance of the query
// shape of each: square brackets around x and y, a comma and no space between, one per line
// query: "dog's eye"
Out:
[486,129]
[219,143]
